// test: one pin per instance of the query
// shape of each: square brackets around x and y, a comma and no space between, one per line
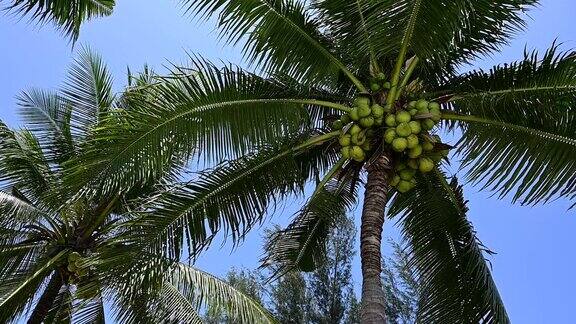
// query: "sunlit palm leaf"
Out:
[448,257]
[68,15]
[219,113]
[520,133]
[272,28]
[443,32]
[228,198]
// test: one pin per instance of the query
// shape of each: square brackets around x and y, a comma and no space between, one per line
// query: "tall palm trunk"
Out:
[47,299]
[375,198]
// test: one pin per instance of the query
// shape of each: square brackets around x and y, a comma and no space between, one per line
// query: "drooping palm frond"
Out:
[218,113]
[22,162]
[183,292]
[301,245]
[48,117]
[519,126]
[272,28]
[442,32]
[19,289]
[457,286]
[228,198]
[68,15]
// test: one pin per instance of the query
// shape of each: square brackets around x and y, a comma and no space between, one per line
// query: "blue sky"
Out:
[535,263]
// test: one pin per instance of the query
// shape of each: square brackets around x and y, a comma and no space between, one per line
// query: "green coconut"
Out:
[399,144]
[407,174]
[367,122]
[364,111]
[433,106]
[427,146]
[345,151]
[345,140]
[421,104]
[74,256]
[415,152]
[357,154]
[387,85]
[395,180]
[366,146]
[403,130]
[390,135]
[374,86]
[403,117]
[390,120]
[412,105]
[355,129]
[428,124]
[358,139]
[415,126]
[404,186]
[378,121]
[413,112]
[362,102]
[412,141]
[381,76]
[377,111]
[337,125]
[400,166]
[412,164]
[425,165]
[354,114]
[345,118]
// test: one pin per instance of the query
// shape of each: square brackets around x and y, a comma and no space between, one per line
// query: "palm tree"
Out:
[62,255]
[382,74]
[67,15]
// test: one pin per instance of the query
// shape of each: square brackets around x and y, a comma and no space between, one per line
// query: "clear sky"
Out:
[535,264]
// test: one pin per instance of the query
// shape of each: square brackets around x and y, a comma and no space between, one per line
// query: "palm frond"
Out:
[68,15]
[457,286]
[441,33]
[519,126]
[202,289]
[88,91]
[218,113]
[302,244]
[48,117]
[272,28]
[229,198]
[22,162]
[19,289]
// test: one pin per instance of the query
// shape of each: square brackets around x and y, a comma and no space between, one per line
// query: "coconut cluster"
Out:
[76,265]
[404,132]
[358,128]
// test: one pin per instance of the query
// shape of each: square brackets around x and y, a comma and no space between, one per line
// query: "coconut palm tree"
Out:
[67,15]
[353,93]
[63,255]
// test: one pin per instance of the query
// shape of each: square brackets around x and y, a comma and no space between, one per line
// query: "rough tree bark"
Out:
[375,198]
[47,299]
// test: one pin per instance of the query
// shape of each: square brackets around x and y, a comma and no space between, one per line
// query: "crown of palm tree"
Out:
[265,137]
[62,255]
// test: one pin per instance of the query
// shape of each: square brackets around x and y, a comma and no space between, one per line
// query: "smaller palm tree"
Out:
[67,15]
[61,254]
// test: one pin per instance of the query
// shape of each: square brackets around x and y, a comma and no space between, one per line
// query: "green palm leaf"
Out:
[301,244]
[442,33]
[19,289]
[448,257]
[519,127]
[202,109]
[272,28]
[22,162]
[68,15]
[228,198]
